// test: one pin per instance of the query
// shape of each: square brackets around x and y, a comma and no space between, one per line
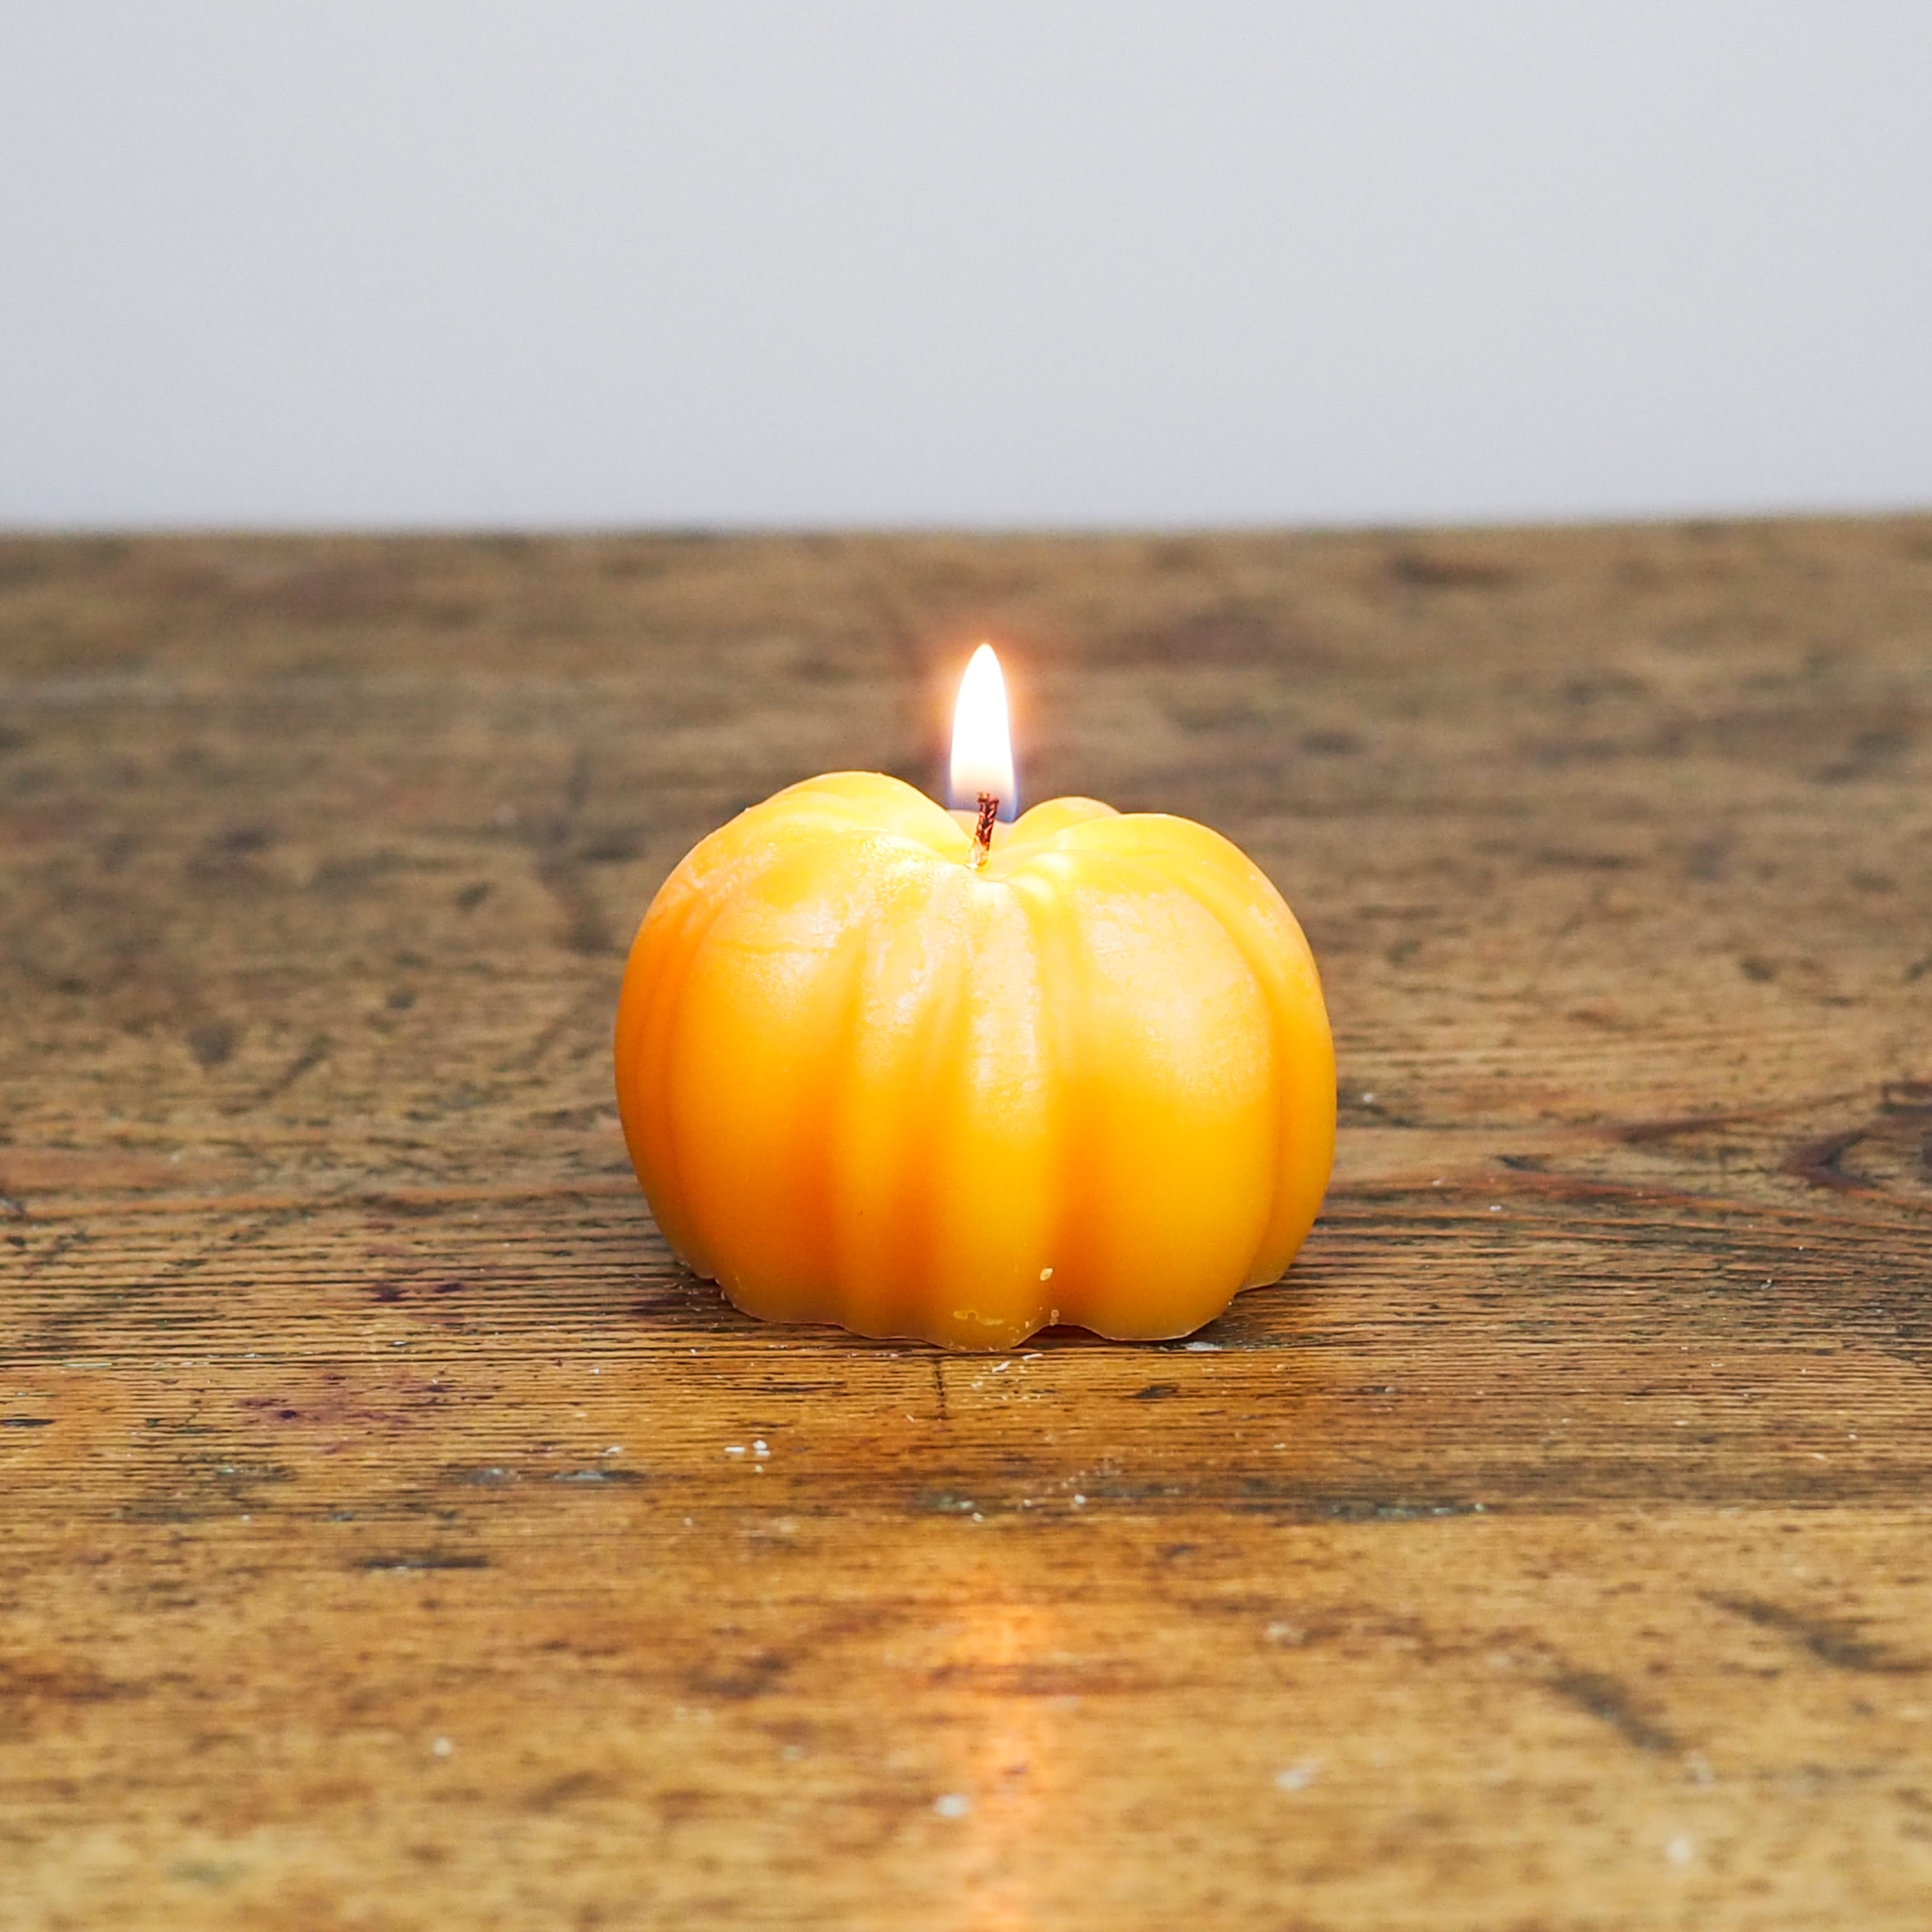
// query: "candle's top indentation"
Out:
[982,751]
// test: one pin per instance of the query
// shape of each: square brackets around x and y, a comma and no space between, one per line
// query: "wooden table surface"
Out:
[1549,1550]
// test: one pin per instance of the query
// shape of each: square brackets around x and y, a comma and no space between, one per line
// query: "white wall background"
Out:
[1071,261]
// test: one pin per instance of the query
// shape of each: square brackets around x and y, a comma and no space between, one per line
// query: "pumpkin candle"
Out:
[923,1073]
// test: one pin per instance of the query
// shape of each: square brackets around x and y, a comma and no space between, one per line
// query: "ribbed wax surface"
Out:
[864,1083]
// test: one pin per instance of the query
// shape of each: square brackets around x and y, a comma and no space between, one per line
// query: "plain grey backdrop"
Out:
[1014,261]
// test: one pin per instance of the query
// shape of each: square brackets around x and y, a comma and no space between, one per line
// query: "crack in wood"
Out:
[1610,1701]
[1831,1640]
[1817,1161]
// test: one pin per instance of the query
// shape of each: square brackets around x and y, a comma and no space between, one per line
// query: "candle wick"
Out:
[983,837]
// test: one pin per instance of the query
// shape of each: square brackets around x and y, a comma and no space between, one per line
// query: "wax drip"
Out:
[983,837]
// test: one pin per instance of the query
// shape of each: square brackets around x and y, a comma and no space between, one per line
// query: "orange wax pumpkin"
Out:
[866,1081]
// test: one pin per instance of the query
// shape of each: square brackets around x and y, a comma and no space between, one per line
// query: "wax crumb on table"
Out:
[1297,1777]
[952,1805]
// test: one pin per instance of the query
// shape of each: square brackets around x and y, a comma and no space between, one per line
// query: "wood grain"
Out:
[392,1536]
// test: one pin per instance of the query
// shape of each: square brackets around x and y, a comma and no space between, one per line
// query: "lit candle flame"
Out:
[983,749]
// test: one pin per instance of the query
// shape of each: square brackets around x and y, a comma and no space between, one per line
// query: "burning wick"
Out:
[983,837]
[982,750]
